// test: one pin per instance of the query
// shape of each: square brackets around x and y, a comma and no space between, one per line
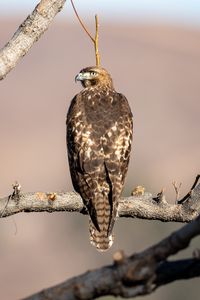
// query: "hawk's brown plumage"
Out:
[99,134]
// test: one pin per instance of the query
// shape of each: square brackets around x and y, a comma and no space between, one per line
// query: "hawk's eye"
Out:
[93,73]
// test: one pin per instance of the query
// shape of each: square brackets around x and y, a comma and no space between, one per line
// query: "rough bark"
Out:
[28,33]
[138,274]
[142,206]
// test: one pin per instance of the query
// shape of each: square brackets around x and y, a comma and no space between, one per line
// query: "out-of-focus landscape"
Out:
[157,67]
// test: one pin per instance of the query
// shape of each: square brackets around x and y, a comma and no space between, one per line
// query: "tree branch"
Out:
[28,33]
[142,206]
[138,274]
[170,271]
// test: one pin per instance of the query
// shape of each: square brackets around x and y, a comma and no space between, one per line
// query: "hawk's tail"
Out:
[100,239]
[101,224]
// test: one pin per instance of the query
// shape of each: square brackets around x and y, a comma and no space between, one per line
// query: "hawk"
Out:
[99,135]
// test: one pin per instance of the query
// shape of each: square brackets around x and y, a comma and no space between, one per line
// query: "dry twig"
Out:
[177,188]
[94,40]
[189,193]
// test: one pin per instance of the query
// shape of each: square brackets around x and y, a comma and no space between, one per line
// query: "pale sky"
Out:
[185,12]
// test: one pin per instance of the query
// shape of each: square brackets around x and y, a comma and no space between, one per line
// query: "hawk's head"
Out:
[93,76]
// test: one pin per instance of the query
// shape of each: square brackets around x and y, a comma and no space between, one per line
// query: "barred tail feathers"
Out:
[102,239]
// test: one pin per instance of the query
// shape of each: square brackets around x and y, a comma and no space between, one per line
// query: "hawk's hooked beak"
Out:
[78,77]
[82,77]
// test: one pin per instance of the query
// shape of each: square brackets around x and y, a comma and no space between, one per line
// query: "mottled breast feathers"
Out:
[99,135]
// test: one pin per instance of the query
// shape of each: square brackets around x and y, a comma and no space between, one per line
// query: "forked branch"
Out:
[139,274]
[94,40]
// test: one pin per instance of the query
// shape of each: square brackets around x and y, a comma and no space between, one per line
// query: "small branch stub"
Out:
[14,196]
[119,257]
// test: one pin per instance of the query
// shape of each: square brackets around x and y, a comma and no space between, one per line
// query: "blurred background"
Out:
[152,50]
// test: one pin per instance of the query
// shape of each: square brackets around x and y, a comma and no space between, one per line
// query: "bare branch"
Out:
[139,274]
[170,271]
[141,206]
[28,33]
